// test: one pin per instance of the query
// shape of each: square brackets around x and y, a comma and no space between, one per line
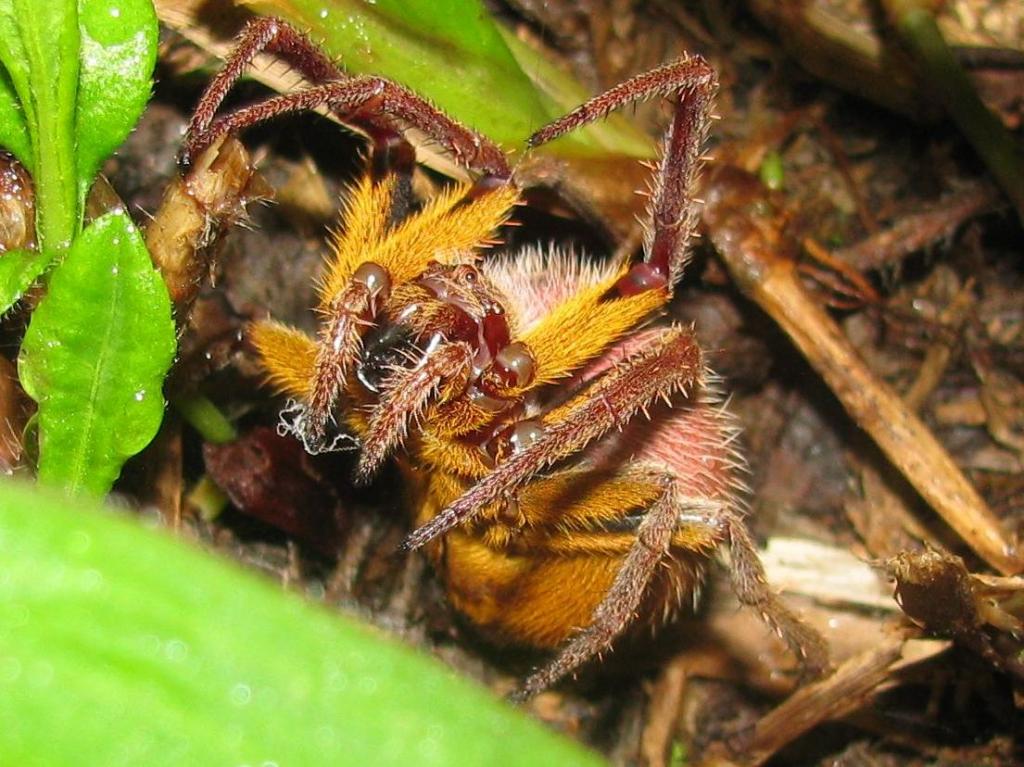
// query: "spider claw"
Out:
[424,534]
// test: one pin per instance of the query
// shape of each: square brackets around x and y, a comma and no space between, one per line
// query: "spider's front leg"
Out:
[691,83]
[376,106]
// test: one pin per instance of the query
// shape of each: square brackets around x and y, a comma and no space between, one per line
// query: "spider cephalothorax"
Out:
[507,387]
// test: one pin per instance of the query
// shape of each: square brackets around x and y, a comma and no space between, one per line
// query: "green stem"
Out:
[53,68]
[207,498]
[951,85]
[205,417]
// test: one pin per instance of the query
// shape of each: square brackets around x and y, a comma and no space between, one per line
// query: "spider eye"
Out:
[515,364]
[374,276]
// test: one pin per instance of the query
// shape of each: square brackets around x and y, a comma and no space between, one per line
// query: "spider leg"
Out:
[654,533]
[259,35]
[339,342]
[377,106]
[619,606]
[390,151]
[369,103]
[270,35]
[673,361]
[692,83]
[440,373]
[752,589]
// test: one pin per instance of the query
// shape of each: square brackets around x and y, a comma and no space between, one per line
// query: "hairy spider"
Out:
[507,387]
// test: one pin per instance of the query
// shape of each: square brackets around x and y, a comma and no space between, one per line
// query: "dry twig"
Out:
[748,242]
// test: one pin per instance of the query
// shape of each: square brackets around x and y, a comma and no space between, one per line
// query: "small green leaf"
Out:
[75,82]
[121,646]
[119,40]
[14,60]
[772,171]
[95,356]
[203,416]
[14,134]
[18,270]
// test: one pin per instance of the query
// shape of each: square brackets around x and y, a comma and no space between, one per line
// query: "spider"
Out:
[508,388]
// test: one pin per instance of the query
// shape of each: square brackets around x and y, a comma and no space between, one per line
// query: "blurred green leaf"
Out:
[119,645]
[772,171]
[561,92]
[448,50]
[95,356]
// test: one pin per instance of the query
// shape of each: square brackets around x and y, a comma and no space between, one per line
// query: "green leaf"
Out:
[450,51]
[76,76]
[95,356]
[18,270]
[120,645]
[119,40]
